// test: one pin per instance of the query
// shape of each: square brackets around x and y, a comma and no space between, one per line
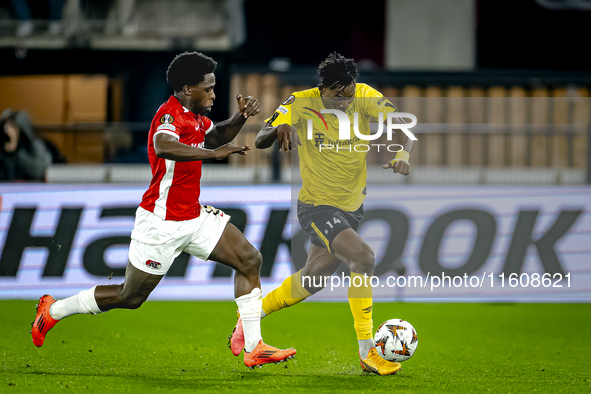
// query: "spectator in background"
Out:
[22,12]
[22,156]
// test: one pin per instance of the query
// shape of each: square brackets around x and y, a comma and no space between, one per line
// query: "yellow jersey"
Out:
[333,170]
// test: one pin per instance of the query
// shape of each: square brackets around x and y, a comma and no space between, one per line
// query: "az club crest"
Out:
[153,264]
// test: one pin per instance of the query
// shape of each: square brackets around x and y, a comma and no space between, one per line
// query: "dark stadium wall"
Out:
[525,34]
[307,31]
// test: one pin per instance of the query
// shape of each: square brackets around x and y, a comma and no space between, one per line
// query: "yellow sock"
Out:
[289,293]
[361,301]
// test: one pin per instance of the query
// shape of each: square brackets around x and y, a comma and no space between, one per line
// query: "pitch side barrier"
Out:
[470,243]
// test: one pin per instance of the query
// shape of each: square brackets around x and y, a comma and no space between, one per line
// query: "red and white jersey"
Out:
[175,187]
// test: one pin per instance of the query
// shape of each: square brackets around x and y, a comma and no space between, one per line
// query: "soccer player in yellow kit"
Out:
[330,203]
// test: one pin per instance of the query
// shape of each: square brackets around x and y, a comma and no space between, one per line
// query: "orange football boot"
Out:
[265,354]
[43,321]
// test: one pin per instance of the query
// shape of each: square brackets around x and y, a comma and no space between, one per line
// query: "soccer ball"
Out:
[396,340]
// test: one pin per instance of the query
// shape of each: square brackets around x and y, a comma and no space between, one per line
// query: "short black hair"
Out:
[188,68]
[337,71]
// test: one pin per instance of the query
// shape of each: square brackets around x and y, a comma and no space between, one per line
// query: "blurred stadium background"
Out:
[500,89]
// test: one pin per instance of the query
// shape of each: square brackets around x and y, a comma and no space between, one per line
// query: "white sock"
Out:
[83,302]
[250,306]
[365,346]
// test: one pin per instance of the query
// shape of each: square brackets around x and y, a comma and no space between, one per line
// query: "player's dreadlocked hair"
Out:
[189,68]
[337,71]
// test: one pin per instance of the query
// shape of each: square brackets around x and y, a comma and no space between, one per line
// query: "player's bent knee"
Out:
[364,262]
[133,301]
[316,283]
[136,302]
[319,270]
[251,262]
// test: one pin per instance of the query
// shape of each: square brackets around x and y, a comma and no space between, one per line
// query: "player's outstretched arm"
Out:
[267,135]
[284,133]
[168,147]
[400,163]
[225,131]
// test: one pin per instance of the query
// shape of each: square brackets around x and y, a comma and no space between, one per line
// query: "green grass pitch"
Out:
[177,347]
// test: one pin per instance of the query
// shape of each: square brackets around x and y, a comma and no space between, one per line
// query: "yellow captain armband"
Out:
[401,156]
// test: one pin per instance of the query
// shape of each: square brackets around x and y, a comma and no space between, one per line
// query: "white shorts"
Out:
[155,242]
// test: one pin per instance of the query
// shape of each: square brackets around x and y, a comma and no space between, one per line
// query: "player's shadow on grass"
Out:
[213,379]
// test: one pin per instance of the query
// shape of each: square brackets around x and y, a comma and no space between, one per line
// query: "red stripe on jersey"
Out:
[175,187]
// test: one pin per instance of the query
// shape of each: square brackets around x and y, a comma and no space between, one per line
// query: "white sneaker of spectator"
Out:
[24,29]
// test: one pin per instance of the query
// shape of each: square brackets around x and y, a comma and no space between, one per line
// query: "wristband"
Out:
[401,156]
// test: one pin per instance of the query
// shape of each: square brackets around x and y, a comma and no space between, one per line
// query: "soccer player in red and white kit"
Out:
[170,218]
